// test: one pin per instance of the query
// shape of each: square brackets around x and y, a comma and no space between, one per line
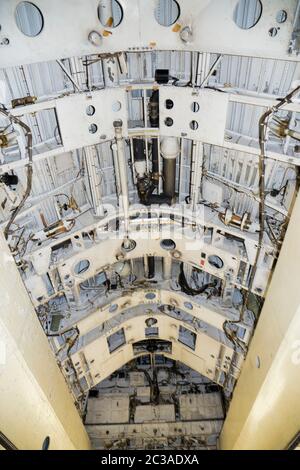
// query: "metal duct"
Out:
[170,150]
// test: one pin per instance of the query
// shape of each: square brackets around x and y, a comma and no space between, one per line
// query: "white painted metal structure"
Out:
[150,197]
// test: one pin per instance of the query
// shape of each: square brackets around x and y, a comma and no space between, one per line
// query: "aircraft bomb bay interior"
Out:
[150,235]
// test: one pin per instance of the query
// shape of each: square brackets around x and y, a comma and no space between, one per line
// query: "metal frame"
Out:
[211,22]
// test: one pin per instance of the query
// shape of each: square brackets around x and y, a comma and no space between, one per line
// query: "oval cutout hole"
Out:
[167,12]
[110,13]
[247,13]
[29,19]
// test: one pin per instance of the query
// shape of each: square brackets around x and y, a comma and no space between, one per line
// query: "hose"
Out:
[28,133]
[263,126]
[189,290]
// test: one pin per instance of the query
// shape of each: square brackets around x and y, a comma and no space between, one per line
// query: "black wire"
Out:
[215,89]
[189,290]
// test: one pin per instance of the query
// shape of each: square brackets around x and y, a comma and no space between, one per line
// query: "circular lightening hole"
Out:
[257,362]
[169,104]
[215,261]
[195,107]
[194,125]
[29,19]
[188,305]
[93,128]
[82,266]
[90,110]
[116,106]
[169,122]
[113,308]
[95,38]
[150,322]
[176,254]
[129,245]
[150,296]
[168,244]
[110,13]
[247,13]
[281,16]
[167,12]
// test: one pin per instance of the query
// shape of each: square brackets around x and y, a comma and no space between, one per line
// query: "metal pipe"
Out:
[188,270]
[146,267]
[169,173]
[69,75]
[155,162]
[116,167]
[181,172]
[170,150]
[263,139]
[132,161]
[202,68]
[210,72]
[196,172]
[78,70]
[37,200]
[91,158]
[151,267]
[154,122]
[124,199]
[167,267]
[28,133]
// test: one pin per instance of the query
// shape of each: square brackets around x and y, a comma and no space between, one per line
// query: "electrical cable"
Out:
[210,71]
[263,128]
[27,192]
[189,290]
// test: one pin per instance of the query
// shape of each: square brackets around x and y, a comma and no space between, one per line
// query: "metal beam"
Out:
[265,410]
[35,401]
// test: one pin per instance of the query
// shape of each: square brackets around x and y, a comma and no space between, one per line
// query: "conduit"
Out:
[28,134]
[122,173]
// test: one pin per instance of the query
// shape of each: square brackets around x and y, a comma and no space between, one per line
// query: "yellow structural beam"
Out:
[265,409]
[34,399]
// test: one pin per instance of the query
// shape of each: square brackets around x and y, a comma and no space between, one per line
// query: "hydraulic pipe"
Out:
[169,172]
[116,168]
[29,166]
[155,162]
[196,178]
[146,268]
[170,150]
[167,267]
[124,200]
[151,267]
[92,165]
[154,122]
[59,62]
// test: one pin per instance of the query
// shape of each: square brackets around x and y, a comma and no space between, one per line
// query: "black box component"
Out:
[162,76]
